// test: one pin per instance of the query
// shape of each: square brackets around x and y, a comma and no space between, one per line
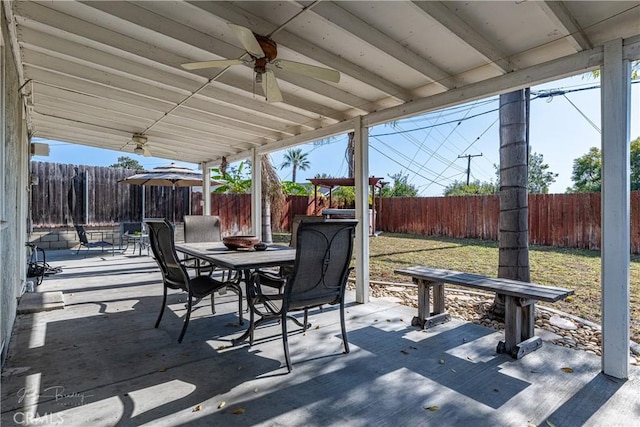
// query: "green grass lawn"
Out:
[575,269]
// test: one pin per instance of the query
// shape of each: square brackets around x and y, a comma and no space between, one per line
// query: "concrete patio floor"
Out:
[100,362]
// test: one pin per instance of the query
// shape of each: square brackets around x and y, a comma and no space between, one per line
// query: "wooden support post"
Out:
[519,320]
[438,298]
[426,317]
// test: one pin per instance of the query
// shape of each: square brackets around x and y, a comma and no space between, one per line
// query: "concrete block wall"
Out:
[67,237]
[51,238]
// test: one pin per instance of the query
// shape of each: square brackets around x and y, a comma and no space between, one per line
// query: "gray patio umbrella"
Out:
[170,175]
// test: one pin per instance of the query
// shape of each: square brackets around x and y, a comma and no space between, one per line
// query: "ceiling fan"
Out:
[141,142]
[263,52]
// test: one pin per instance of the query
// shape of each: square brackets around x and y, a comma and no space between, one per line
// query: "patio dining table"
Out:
[244,261]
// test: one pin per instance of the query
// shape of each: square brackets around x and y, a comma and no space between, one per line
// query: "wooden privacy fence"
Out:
[567,220]
[64,194]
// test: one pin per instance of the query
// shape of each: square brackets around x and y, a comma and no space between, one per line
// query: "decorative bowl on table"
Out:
[260,246]
[240,242]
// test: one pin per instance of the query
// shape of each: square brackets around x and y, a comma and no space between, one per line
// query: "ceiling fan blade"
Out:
[248,40]
[308,70]
[270,87]
[146,152]
[218,63]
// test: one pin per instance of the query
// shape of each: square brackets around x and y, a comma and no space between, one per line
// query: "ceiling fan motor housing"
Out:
[139,138]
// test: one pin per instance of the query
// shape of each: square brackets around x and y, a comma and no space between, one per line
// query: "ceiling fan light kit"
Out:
[263,52]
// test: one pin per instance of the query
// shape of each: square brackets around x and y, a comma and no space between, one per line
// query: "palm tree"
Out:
[295,158]
[273,199]
[513,240]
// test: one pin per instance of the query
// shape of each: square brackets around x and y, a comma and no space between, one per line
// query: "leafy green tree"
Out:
[635,164]
[294,189]
[344,196]
[635,71]
[296,159]
[476,188]
[587,170]
[127,163]
[400,187]
[237,180]
[540,177]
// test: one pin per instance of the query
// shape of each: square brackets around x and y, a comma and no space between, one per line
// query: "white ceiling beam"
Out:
[563,67]
[191,142]
[557,11]
[336,94]
[139,111]
[458,27]
[186,148]
[316,135]
[235,15]
[340,17]
[84,84]
[57,108]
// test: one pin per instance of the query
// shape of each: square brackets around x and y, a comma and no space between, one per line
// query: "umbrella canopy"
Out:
[170,175]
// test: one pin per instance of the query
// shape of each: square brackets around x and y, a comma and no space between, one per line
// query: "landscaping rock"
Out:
[562,323]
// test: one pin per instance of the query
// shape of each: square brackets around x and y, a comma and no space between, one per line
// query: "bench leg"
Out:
[427,318]
[519,320]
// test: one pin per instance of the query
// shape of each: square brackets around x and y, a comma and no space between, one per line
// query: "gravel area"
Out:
[552,326]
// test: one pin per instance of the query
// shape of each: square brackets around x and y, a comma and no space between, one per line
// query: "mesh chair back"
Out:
[130,227]
[297,219]
[82,234]
[202,228]
[321,269]
[161,237]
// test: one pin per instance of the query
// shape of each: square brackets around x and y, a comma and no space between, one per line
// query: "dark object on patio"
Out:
[128,230]
[205,228]
[84,241]
[174,274]
[320,272]
[240,242]
[260,246]
[37,266]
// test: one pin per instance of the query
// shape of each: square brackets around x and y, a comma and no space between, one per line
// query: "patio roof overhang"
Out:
[96,73]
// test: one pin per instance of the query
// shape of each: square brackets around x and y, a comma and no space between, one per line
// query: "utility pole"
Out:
[469,156]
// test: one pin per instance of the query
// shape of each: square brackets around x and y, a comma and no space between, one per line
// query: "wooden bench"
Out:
[520,298]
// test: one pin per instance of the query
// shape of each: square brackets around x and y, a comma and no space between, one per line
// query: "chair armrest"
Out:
[270,279]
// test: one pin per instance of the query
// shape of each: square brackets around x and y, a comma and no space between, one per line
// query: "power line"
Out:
[404,166]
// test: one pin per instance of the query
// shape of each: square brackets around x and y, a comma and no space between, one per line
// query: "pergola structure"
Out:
[331,183]
[109,75]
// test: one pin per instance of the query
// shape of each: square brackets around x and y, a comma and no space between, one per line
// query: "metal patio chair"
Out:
[319,277]
[84,240]
[175,275]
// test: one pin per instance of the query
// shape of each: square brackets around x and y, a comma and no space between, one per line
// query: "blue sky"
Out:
[563,127]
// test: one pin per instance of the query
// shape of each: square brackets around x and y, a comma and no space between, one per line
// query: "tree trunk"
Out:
[513,239]
[293,175]
[273,198]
